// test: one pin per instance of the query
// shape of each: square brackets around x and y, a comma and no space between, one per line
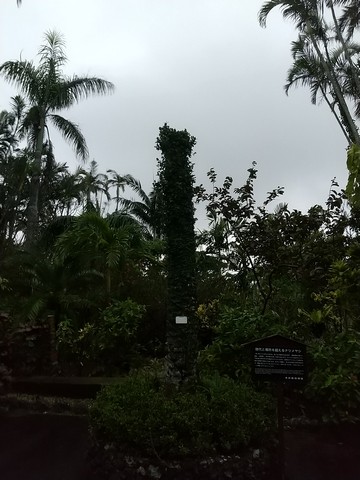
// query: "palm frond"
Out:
[71,132]
[135,185]
[350,18]
[298,11]
[35,308]
[23,75]
[52,51]
[18,105]
[77,88]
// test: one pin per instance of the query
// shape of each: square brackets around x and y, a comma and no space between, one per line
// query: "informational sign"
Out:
[278,359]
[181,320]
[282,360]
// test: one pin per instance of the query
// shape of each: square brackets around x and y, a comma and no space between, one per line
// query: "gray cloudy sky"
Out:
[203,65]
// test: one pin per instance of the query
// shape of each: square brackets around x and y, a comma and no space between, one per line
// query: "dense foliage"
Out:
[112,266]
[215,415]
[47,91]
[176,186]
[334,380]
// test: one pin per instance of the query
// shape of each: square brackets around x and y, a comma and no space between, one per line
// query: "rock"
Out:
[256,453]
[142,471]
[129,461]
[154,472]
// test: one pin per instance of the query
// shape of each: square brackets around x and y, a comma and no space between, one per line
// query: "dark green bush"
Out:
[236,326]
[215,415]
[111,340]
[334,382]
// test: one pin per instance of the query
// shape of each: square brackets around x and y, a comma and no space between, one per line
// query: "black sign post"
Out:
[283,361]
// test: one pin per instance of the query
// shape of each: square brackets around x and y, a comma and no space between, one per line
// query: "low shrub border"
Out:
[143,428]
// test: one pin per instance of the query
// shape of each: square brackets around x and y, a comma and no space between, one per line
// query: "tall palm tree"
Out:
[48,91]
[93,185]
[119,182]
[328,26]
[309,18]
[307,70]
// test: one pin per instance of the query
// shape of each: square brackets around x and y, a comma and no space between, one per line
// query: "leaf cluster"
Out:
[216,415]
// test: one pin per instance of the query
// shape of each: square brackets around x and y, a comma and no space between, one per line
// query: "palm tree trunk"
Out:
[32,226]
[335,113]
[329,72]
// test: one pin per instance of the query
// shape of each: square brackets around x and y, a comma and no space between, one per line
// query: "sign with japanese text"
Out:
[278,359]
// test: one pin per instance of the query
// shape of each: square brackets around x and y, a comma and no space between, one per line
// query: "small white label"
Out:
[181,320]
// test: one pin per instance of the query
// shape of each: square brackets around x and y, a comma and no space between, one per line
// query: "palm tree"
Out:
[308,16]
[92,184]
[56,287]
[104,242]
[350,18]
[329,29]
[307,71]
[48,91]
[14,168]
[7,139]
[10,126]
[147,209]
[13,194]
[119,182]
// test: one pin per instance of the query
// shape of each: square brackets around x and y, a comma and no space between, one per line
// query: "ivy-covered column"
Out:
[176,183]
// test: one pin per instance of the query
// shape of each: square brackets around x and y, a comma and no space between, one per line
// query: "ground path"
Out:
[54,447]
[44,447]
[324,453]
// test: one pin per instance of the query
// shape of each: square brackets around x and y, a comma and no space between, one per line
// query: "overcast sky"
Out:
[203,65]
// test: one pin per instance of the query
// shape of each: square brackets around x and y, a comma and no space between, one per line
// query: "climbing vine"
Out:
[176,182]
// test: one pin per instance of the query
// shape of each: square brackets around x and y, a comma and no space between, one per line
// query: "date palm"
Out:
[48,91]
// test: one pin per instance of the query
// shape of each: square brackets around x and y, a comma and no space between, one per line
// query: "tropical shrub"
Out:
[334,382]
[215,415]
[111,340]
[119,325]
[227,354]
